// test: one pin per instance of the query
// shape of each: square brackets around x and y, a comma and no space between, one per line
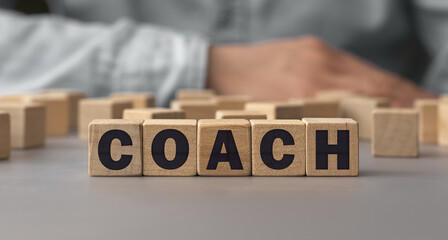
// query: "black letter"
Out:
[224,137]
[266,149]
[158,149]
[104,149]
[342,149]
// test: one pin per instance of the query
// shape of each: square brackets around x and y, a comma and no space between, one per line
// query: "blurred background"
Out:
[271,50]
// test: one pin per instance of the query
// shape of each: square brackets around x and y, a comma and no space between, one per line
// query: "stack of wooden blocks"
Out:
[223,147]
[111,108]
[398,132]
[209,135]
[28,118]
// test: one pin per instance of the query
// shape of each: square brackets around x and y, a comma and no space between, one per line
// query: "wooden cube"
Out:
[27,124]
[318,108]
[331,147]
[195,109]
[231,102]
[115,147]
[98,108]
[395,133]
[139,100]
[427,121]
[195,94]
[224,147]
[57,112]
[15,98]
[335,94]
[153,113]
[443,123]
[57,109]
[169,147]
[278,147]
[5,135]
[73,100]
[275,110]
[239,114]
[360,109]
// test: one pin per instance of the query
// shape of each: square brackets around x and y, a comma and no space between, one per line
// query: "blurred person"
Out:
[269,49]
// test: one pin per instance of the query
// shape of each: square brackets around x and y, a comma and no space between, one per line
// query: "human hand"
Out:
[301,67]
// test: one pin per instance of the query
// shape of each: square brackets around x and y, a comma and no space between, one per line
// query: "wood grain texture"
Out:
[139,100]
[296,128]
[231,102]
[98,108]
[153,113]
[73,100]
[331,125]
[275,110]
[360,109]
[133,128]
[151,128]
[195,109]
[395,133]
[427,120]
[207,134]
[195,94]
[56,110]
[5,135]
[239,114]
[443,123]
[27,124]
[318,108]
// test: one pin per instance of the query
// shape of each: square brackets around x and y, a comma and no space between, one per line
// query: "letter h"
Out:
[342,149]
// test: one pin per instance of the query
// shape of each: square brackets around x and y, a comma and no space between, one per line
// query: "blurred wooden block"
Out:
[14,98]
[239,114]
[395,133]
[169,148]
[195,94]
[275,110]
[360,109]
[278,147]
[5,135]
[427,121]
[73,98]
[98,108]
[115,147]
[139,100]
[153,113]
[231,102]
[331,147]
[224,147]
[56,110]
[27,124]
[318,108]
[195,109]
[443,123]
[335,94]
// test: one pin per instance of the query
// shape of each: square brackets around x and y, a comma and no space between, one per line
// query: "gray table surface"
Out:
[47,194]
